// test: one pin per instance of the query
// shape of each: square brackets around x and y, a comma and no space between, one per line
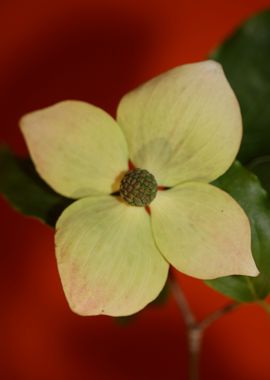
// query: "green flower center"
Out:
[138,187]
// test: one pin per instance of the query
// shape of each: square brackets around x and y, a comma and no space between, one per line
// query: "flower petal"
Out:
[202,231]
[183,125]
[107,257]
[77,148]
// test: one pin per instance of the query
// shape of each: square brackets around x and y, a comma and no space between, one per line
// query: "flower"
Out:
[183,129]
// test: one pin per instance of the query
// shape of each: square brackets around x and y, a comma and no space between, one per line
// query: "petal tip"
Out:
[253,272]
[249,268]
[83,311]
[22,123]
[211,65]
[25,123]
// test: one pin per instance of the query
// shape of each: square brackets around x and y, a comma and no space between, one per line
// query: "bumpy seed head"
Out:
[138,187]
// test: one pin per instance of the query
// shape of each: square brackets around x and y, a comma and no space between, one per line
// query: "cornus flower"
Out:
[181,130]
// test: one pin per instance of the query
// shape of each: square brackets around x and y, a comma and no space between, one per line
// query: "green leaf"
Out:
[246,189]
[245,58]
[261,167]
[23,188]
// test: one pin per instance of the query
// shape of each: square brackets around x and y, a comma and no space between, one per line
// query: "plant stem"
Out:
[208,320]
[194,328]
[195,335]
[181,301]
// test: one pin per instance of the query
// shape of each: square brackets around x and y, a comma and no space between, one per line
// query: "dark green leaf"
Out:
[23,188]
[261,167]
[246,189]
[245,58]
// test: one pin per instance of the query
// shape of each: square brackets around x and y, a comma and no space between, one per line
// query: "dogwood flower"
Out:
[181,130]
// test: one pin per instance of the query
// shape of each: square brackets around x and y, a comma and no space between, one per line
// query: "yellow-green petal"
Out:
[107,257]
[183,125]
[77,148]
[202,231]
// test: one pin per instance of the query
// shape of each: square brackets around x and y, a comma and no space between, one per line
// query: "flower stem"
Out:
[195,335]
[195,329]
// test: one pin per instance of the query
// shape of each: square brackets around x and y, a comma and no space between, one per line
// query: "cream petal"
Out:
[183,125]
[107,257]
[202,231]
[77,148]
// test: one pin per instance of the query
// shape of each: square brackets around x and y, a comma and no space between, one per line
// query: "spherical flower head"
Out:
[114,244]
[138,187]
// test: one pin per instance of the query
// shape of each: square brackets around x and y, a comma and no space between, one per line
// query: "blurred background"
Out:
[97,51]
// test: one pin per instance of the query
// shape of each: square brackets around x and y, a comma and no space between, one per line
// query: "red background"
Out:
[97,51]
